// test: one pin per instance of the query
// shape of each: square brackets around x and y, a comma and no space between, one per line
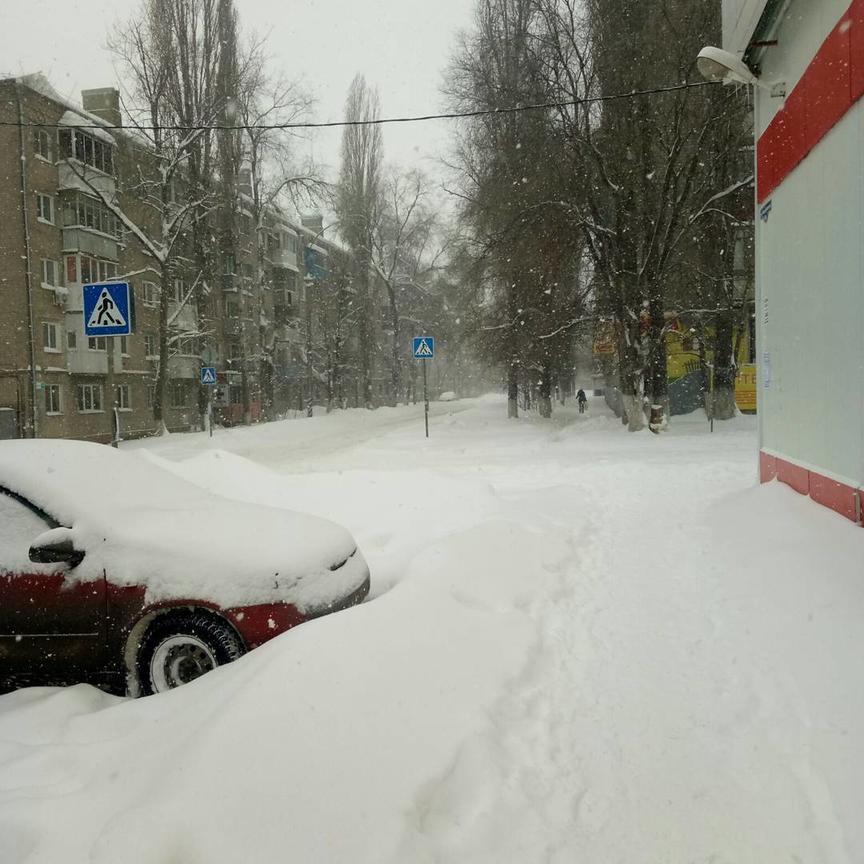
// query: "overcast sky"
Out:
[402,46]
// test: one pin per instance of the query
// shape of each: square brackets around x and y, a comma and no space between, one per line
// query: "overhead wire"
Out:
[380,121]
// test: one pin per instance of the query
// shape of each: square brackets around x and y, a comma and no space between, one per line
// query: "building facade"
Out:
[809,58]
[263,318]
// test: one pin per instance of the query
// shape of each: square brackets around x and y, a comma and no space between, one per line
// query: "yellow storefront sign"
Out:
[745,388]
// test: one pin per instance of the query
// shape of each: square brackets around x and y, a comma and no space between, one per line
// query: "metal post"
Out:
[209,415]
[425,397]
[109,350]
[711,388]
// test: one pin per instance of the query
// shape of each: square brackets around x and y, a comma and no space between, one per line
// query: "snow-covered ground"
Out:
[581,646]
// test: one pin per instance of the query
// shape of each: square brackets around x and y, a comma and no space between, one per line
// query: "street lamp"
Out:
[715,64]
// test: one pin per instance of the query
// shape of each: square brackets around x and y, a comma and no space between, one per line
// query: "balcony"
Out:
[284,259]
[86,362]
[230,282]
[68,179]
[93,243]
[185,318]
[184,366]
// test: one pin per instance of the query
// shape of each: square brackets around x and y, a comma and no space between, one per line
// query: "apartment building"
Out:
[274,317]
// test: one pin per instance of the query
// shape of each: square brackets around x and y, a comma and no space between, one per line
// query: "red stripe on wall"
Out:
[829,493]
[829,87]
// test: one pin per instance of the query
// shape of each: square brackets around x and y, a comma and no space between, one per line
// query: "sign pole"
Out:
[425,398]
[110,395]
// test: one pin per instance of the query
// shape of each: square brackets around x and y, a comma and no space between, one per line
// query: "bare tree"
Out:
[358,205]
[400,253]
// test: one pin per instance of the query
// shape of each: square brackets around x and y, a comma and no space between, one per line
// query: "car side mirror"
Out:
[56,547]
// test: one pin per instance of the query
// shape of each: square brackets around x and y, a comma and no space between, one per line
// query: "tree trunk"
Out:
[162,373]
[631,382]
[545,399]
[659,374]
[723,402]
[513,391]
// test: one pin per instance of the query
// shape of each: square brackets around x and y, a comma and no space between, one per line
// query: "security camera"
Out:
[715,64]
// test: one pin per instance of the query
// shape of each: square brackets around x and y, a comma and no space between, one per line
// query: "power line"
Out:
[331,124]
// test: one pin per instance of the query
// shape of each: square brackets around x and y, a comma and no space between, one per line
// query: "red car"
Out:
[115,572]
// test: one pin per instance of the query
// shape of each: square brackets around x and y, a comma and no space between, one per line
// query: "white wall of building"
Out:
[810,295]
[740,18]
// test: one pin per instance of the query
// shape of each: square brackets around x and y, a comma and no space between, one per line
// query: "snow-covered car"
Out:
[116,572]
[448,396]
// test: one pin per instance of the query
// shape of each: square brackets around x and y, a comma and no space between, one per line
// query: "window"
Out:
[52,398]
[124,397]
[124,346]
[235,350]
[84,211]
[151,294]
[188,346]
[71,339]
[228,265]
[50,272]
[19,525]
[97,343]
[86,148]
[89,398]
[178,394]
[49,337]
[43,144]
[235,394]
[151,349]
[179,290]
[96,270]
[71,269]
[45,208]
[232,308]
[151,395]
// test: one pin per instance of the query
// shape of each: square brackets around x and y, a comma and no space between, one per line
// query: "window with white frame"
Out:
[49,337]
[94,270]
[151,349]
[179,290]
[87,148]
[52,398]
[85,211]
[89,398]
[151,294]
[124,397]
[71,339]
[45,208]
[124,346]
[97,343]
[50,272]
[43,144]
[178,394]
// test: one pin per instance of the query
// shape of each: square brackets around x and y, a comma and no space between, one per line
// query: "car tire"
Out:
[178,648]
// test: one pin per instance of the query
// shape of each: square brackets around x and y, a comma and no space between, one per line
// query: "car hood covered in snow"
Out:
[145,526]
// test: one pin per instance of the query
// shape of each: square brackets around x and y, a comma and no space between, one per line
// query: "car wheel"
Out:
[178,649]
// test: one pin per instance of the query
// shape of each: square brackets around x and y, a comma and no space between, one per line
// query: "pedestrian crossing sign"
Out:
[107,309]
[208,375]
[424,347]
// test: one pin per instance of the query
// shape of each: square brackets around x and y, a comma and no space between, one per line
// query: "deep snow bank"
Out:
[317,746]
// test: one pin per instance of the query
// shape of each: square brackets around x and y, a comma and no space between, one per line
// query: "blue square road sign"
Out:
[424,347]
[208,375]
[107,309]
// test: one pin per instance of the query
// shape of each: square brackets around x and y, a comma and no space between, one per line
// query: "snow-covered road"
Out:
[582,646]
